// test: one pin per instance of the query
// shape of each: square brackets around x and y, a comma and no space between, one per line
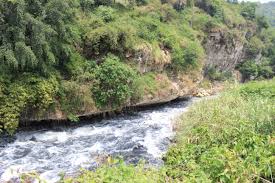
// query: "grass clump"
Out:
[118,171]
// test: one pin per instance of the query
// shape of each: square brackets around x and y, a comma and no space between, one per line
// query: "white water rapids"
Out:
[142,135]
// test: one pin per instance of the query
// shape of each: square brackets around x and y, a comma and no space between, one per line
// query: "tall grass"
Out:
[227,139]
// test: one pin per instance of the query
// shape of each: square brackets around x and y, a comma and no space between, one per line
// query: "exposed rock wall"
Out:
[223,52]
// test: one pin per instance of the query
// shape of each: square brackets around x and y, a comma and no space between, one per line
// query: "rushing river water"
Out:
[142,135]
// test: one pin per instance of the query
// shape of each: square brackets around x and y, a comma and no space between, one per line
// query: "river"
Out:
[143,135]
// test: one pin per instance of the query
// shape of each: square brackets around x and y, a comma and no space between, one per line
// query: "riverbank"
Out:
[229,138]
[175,92]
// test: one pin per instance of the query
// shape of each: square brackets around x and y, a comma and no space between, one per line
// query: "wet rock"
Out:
[6,139]
[20,153]
[33,139]
[139,149]
[155,127]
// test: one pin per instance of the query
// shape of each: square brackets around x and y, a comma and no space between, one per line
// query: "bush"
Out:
[75,98]
[110,38]
[215,75]
[144,85]
[187,57]
[113,85]
[212,7]
[106,13]
[249,10]
[250,70]
[28,92]
[254,46]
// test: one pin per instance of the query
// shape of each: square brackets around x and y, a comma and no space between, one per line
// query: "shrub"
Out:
[75,98]
[187,57]
[11,106]
[251,70]
[151,84]
[106,13]
[28,92]
[215,75]
[212,7]
[254,46]
[249,10]
[113,85]
[110,38]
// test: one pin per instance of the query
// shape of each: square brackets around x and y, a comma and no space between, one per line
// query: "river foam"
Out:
[142,135]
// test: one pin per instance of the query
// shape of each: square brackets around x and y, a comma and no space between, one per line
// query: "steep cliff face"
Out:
[223,52]
[225,49]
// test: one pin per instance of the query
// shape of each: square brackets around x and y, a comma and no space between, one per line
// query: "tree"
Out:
[34,34]
[249,10]
[113,85]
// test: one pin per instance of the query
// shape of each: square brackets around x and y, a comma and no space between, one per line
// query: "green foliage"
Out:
[145,84]
[249,10]
[267,10]
[262,22]
[109,38]
[150,84]
[258,90]
[113,83]
[30,33]
[11,107]
[215,75]
[227,139]
[142,2]
[254,46]
[106,13]
[118,171]
[188,57]
[213,8]
[37,93]
[251,70]
[74,98]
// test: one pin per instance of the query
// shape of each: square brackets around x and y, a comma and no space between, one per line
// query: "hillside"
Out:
[268,10]
[65,59]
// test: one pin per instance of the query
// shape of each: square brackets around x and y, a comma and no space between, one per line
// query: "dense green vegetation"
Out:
[267,10]
[229,138]
[76,55]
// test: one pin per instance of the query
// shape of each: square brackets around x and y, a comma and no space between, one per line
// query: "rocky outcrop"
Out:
[147,60]
[223,52]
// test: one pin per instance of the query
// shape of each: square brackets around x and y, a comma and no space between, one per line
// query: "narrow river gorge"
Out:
[143,135]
